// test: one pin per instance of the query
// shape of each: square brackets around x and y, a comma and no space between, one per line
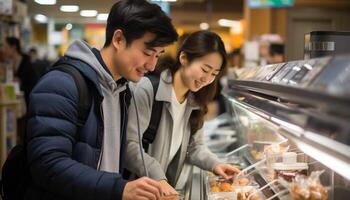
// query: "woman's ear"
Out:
[183,58]
[118,39]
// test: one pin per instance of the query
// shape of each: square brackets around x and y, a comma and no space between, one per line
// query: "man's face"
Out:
[135,60]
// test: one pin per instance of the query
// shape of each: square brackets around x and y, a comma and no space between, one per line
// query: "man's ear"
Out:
[118,39]
[183,58]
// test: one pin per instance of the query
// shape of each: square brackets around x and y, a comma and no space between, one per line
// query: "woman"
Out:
[185,88]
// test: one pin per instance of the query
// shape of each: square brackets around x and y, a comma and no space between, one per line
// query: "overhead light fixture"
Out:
[88,13]
[40,18]
[227,22]
[102,16]
[69,26]
[45,2]
[204,26]
[69,8]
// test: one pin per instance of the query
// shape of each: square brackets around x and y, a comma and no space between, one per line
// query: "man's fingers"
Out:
[152,187]
[145,194]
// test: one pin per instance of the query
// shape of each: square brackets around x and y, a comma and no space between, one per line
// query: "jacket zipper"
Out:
[101,154]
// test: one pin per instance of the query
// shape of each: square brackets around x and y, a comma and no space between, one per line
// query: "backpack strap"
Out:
[85,100]
[157,107]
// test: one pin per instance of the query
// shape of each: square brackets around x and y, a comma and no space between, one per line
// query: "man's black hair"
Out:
[14,42]
[135,18]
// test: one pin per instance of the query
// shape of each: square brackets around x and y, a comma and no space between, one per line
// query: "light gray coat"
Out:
[192,149]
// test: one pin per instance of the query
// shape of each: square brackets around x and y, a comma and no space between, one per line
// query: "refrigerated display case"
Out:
[292,123]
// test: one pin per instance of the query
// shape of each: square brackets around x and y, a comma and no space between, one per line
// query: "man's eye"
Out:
[146,53]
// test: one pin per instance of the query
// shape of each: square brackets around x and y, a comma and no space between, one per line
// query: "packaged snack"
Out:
[245,191]
[308,188]
[289,168]
[275,149]
[218,184]
[257,155]
[219,188]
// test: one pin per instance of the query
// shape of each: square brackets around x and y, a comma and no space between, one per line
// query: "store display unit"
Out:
[291,120]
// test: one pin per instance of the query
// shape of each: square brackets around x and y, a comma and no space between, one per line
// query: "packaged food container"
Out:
[245,191]
[308,188]
[219,188]
[217,184]
[289,168]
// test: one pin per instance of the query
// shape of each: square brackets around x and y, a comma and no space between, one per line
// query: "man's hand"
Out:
[142,189]
[166,188]
[225,170]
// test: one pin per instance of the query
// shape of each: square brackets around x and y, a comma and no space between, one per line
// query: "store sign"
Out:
[270,3]
[6,7]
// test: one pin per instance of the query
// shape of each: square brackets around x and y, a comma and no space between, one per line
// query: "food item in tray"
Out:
[275,148]
[220,185]
[244,192]
[226,187]
[269,150]
[257,155]
[289,175]
[243,181]
[211,174]
[212,182]
[215,189]
[289,168]
[309,188]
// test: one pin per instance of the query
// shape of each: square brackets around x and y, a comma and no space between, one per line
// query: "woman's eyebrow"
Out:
[211,67]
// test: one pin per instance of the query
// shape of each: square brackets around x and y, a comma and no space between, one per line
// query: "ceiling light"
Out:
[102,16]
[69,8]
[204,26]
[88,13]
[46,2]
[69,26]
[40,18]
[227,22]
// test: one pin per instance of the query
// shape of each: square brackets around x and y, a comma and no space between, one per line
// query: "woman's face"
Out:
[201,71]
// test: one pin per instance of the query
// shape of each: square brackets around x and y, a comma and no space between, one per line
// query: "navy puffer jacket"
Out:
[63,162]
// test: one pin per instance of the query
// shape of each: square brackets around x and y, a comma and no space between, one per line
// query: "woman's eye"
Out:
[204,70]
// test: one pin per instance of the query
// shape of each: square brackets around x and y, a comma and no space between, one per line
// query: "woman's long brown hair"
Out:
[197,45]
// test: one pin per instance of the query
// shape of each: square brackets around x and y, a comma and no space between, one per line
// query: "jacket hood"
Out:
[82,51]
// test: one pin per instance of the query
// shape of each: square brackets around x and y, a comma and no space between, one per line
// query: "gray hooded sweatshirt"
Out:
[109,159]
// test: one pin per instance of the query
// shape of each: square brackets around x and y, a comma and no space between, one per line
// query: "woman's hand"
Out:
[166,189]
[225,170]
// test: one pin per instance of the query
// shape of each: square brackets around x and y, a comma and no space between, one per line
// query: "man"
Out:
[87,164]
